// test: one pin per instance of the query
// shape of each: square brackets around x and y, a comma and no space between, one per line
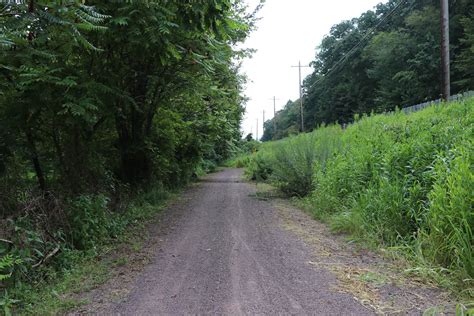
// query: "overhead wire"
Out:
[361,41]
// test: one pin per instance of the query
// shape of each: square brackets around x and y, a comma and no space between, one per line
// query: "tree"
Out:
[464,63]
[99,92]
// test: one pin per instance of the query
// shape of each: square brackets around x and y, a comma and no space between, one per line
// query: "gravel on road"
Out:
[229,255]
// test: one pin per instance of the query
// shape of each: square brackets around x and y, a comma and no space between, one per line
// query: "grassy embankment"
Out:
[398,181]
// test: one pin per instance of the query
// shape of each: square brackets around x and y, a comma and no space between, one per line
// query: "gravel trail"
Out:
[229,255]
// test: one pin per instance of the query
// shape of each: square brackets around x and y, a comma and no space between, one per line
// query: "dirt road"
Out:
[229,255]
[221,249]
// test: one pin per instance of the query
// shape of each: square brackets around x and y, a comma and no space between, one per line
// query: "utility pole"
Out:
[274,117]
[257,131]
[301,96]
[445,49]
[263,124]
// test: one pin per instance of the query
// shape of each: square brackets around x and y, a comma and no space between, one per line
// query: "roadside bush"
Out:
[90,221]
[8,262]
[240,161]
[41,251]
[293,161]
[249,147]
[243,153]
[259,167]
[293,164]
[206,166]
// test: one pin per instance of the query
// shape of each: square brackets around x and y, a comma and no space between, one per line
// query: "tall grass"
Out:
[396,179]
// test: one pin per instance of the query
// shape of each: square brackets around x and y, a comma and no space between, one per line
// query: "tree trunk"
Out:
[135,161]
[35,161]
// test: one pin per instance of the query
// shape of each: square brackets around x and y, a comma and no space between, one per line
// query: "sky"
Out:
[289,31]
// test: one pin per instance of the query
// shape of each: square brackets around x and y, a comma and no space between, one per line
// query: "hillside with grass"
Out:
[398,181]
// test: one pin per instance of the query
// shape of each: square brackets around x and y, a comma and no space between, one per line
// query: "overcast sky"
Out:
[289,31]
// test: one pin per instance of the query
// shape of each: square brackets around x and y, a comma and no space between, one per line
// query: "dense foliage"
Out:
[99,99]
[397,180]
[385,58]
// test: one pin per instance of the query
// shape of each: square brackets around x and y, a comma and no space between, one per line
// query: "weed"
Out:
[120,262]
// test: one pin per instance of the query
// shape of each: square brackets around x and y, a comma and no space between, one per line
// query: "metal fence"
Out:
[424,105]
[421,106]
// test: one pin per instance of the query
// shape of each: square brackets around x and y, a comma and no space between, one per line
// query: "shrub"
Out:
[293,162]
[259,167]
[206,166]
[90,221]
[7,263]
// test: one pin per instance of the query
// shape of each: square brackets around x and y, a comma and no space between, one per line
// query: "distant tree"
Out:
[464,63]
[268,131]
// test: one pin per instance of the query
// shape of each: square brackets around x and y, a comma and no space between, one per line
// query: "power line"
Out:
[353,49]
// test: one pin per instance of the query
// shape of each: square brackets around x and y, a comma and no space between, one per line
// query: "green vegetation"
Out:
[396,63]
[46,289]
[397,180]
[101,101]
[55,292]
[242,155]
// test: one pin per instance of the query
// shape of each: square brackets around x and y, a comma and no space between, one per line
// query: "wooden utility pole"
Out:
[301,96]
[274,118]
[257,131]
[445,59]
[263,124]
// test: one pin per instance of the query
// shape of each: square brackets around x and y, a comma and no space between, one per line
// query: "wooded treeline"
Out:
[387,57]
[100,93]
